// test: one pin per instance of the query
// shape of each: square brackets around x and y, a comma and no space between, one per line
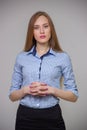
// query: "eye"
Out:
[46,26]
[36,27]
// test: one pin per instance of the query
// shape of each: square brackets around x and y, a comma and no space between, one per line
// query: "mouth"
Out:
[42,36]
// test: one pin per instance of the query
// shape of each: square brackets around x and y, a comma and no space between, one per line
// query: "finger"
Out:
[43,89]
[33,86]
[40,93]
[43,84]
[33,91]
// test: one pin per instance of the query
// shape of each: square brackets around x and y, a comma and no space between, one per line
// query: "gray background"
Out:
[70,19]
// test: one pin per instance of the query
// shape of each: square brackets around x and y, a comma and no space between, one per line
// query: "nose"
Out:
[41,30]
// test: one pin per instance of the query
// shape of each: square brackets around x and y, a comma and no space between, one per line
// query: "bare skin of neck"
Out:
[42,49]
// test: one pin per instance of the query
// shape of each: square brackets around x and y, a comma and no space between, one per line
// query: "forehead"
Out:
[41,20]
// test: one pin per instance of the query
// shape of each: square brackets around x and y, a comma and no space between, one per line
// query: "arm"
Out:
[19,94]
[70,92]
[35,89]
[63,94]
[16,92]
[41,89]
[16,95]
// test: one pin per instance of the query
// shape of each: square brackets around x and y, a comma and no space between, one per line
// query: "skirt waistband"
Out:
[39,109]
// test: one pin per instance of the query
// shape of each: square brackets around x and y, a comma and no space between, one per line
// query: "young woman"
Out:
[36,78]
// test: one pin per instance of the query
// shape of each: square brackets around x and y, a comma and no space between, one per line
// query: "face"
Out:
[42,31]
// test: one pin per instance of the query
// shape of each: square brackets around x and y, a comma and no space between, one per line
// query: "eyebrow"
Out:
[43,24]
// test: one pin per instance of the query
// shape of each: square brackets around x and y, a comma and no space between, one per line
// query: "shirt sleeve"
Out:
[17,76]
[68,75]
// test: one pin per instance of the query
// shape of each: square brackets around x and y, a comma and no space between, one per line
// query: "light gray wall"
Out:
[70,19]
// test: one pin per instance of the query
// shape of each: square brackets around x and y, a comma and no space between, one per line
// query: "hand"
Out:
[40,89]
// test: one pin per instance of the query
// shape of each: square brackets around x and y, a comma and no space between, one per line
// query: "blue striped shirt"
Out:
[49,68]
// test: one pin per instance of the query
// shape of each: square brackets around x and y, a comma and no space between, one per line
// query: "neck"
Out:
[42,49]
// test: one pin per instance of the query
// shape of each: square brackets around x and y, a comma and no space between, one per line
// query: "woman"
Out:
[36,78]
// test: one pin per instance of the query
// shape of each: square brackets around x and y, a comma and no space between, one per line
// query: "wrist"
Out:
[23,91]
[55,92]
[52,91]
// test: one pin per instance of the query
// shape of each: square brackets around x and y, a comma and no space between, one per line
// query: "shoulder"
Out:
[21,55]
[59,55]
[63,58]
[63,55]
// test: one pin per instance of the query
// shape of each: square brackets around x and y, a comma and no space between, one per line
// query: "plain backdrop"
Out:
[70,20]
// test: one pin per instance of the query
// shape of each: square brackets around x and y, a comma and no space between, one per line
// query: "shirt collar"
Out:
[33,51]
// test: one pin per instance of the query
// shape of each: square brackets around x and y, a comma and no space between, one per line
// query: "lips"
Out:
[42,36]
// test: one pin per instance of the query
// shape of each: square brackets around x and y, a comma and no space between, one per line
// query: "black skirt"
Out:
[39,119]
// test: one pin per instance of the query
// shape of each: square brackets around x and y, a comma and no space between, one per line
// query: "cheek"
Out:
[49,34]
[36,35]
